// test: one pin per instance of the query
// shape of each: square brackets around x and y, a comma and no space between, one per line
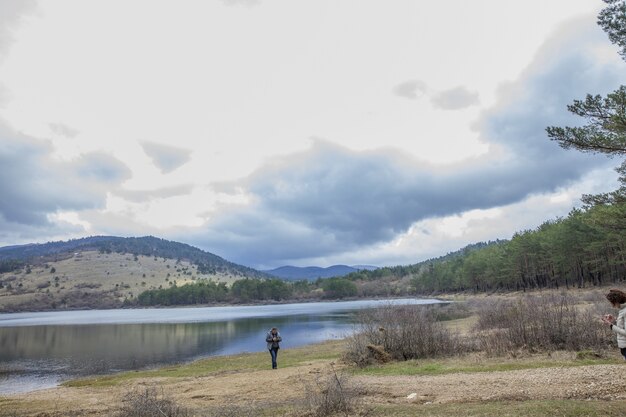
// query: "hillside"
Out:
[103,271]
[147,246]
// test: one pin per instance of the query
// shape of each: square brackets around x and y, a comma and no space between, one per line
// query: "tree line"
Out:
[584,249]
[247,290]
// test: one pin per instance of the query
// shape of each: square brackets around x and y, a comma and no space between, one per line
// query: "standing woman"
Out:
[618,326]
[273,339]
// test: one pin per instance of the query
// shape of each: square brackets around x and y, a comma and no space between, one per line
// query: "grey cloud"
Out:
[15,233]
[331,200]
[412,89]
[565,69]
[34,185]
[166,158]
[455,99]
[63,130]
[145,195]
[452,99]
[100,167]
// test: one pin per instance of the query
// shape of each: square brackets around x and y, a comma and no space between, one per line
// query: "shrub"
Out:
[402,332]
[550,322]
[332,394]
[148,403]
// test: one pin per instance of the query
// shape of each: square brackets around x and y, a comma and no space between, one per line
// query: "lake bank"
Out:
[243,385]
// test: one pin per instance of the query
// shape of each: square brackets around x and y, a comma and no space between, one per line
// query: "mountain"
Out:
[314,272]
[103,271]
[366,267]
[147,246]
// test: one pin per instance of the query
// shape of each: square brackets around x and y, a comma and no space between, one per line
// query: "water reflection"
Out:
[70,351]
[37,356]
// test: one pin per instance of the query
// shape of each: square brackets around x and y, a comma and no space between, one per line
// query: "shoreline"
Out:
[441,296]
[156,369]
[256,304]
[241,338]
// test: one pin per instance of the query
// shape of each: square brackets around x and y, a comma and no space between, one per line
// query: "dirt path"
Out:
[256,388]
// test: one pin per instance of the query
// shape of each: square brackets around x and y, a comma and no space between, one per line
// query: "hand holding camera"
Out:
[608,319]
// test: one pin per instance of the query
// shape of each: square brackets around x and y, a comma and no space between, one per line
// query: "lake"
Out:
[40,350]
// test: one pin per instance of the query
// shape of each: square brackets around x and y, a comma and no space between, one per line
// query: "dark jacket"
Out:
[270,342]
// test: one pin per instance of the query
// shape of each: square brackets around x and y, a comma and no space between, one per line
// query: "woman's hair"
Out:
[616,297]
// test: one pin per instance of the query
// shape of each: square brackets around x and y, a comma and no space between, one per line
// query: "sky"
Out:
[291,132]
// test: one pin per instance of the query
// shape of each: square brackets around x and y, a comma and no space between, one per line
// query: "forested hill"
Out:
[208,263]
[587,248]
[402,271]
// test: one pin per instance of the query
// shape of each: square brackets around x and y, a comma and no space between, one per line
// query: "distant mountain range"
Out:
[315,272]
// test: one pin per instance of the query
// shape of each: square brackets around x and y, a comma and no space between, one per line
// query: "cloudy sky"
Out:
[275,132]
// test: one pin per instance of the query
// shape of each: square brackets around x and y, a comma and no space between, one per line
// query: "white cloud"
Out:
[455,98]
[11,14]
[63,130]
[411,89]
[248,3]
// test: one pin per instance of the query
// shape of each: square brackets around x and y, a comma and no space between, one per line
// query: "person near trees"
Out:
[273,340]
[617,298]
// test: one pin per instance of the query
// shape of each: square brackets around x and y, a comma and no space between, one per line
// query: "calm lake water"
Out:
[40,350]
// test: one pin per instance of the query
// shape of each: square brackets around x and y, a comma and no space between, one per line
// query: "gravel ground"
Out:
[597,382]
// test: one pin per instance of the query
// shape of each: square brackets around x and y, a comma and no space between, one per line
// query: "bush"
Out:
[402,332]
[553,322]
[332,394]
[148,403]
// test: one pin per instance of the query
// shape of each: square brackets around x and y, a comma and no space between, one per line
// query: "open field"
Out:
[472,384]
[92,274]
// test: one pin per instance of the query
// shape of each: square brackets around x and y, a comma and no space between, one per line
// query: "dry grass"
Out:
[149,403]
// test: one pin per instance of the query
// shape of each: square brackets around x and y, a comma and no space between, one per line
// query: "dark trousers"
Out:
[274,353]
[623,351]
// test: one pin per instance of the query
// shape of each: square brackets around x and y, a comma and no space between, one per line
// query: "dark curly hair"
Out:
[616,297]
